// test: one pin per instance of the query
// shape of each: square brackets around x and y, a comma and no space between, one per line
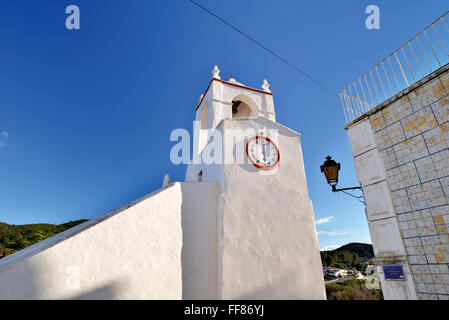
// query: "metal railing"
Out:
[423,54]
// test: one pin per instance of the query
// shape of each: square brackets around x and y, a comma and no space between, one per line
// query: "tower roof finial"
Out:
[266,86]
[215,72]
[232,79]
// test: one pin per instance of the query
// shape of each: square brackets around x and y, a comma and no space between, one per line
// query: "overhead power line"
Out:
[265,48]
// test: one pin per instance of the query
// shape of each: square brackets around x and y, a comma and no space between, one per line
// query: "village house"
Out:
[335,272]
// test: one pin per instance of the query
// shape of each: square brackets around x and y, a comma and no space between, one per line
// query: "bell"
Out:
[235,105]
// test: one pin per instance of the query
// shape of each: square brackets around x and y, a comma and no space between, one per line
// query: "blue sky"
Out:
[86,115]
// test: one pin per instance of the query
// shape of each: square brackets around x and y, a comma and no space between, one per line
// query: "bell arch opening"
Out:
[243,106]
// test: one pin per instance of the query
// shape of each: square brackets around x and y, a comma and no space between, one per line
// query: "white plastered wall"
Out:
[161,246]
[199,252]
[133,252]
[268,246]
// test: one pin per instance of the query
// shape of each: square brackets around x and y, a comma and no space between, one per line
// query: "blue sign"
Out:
[393,272]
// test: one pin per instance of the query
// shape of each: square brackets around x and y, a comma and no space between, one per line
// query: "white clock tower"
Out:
[266,243]
[240,227]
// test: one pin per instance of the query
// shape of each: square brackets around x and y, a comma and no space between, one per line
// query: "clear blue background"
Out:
[89,112]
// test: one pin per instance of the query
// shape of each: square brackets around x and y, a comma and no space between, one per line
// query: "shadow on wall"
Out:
[106,292]
[277,289]
[36,279]
[272,290]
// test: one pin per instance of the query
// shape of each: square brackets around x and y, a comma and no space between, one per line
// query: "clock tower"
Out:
[264,243]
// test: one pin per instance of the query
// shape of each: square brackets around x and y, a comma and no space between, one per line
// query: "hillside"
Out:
[363,250]
[17,237]
[352,255]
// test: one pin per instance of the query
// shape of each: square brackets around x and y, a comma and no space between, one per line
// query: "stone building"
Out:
[398,128]
[232,230]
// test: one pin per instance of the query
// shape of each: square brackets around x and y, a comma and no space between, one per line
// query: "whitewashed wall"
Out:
[199,251]
[133,252]
[269,247]
[162,246]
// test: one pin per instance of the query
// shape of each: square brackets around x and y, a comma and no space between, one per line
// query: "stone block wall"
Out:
[412,137]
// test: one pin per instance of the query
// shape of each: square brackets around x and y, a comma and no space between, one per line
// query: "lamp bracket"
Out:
[334,188]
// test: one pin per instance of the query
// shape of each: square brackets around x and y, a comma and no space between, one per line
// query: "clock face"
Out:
[263,152]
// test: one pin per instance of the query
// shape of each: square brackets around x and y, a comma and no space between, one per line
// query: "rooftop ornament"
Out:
[266,86]
[232,79]
[215,72]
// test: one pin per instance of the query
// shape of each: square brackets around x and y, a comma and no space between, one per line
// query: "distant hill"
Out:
[17,237]
[363,250]
[352,255]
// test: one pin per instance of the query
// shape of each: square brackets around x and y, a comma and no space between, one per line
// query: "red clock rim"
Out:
[258,164]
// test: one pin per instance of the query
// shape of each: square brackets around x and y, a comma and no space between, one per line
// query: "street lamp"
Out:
[330,169]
